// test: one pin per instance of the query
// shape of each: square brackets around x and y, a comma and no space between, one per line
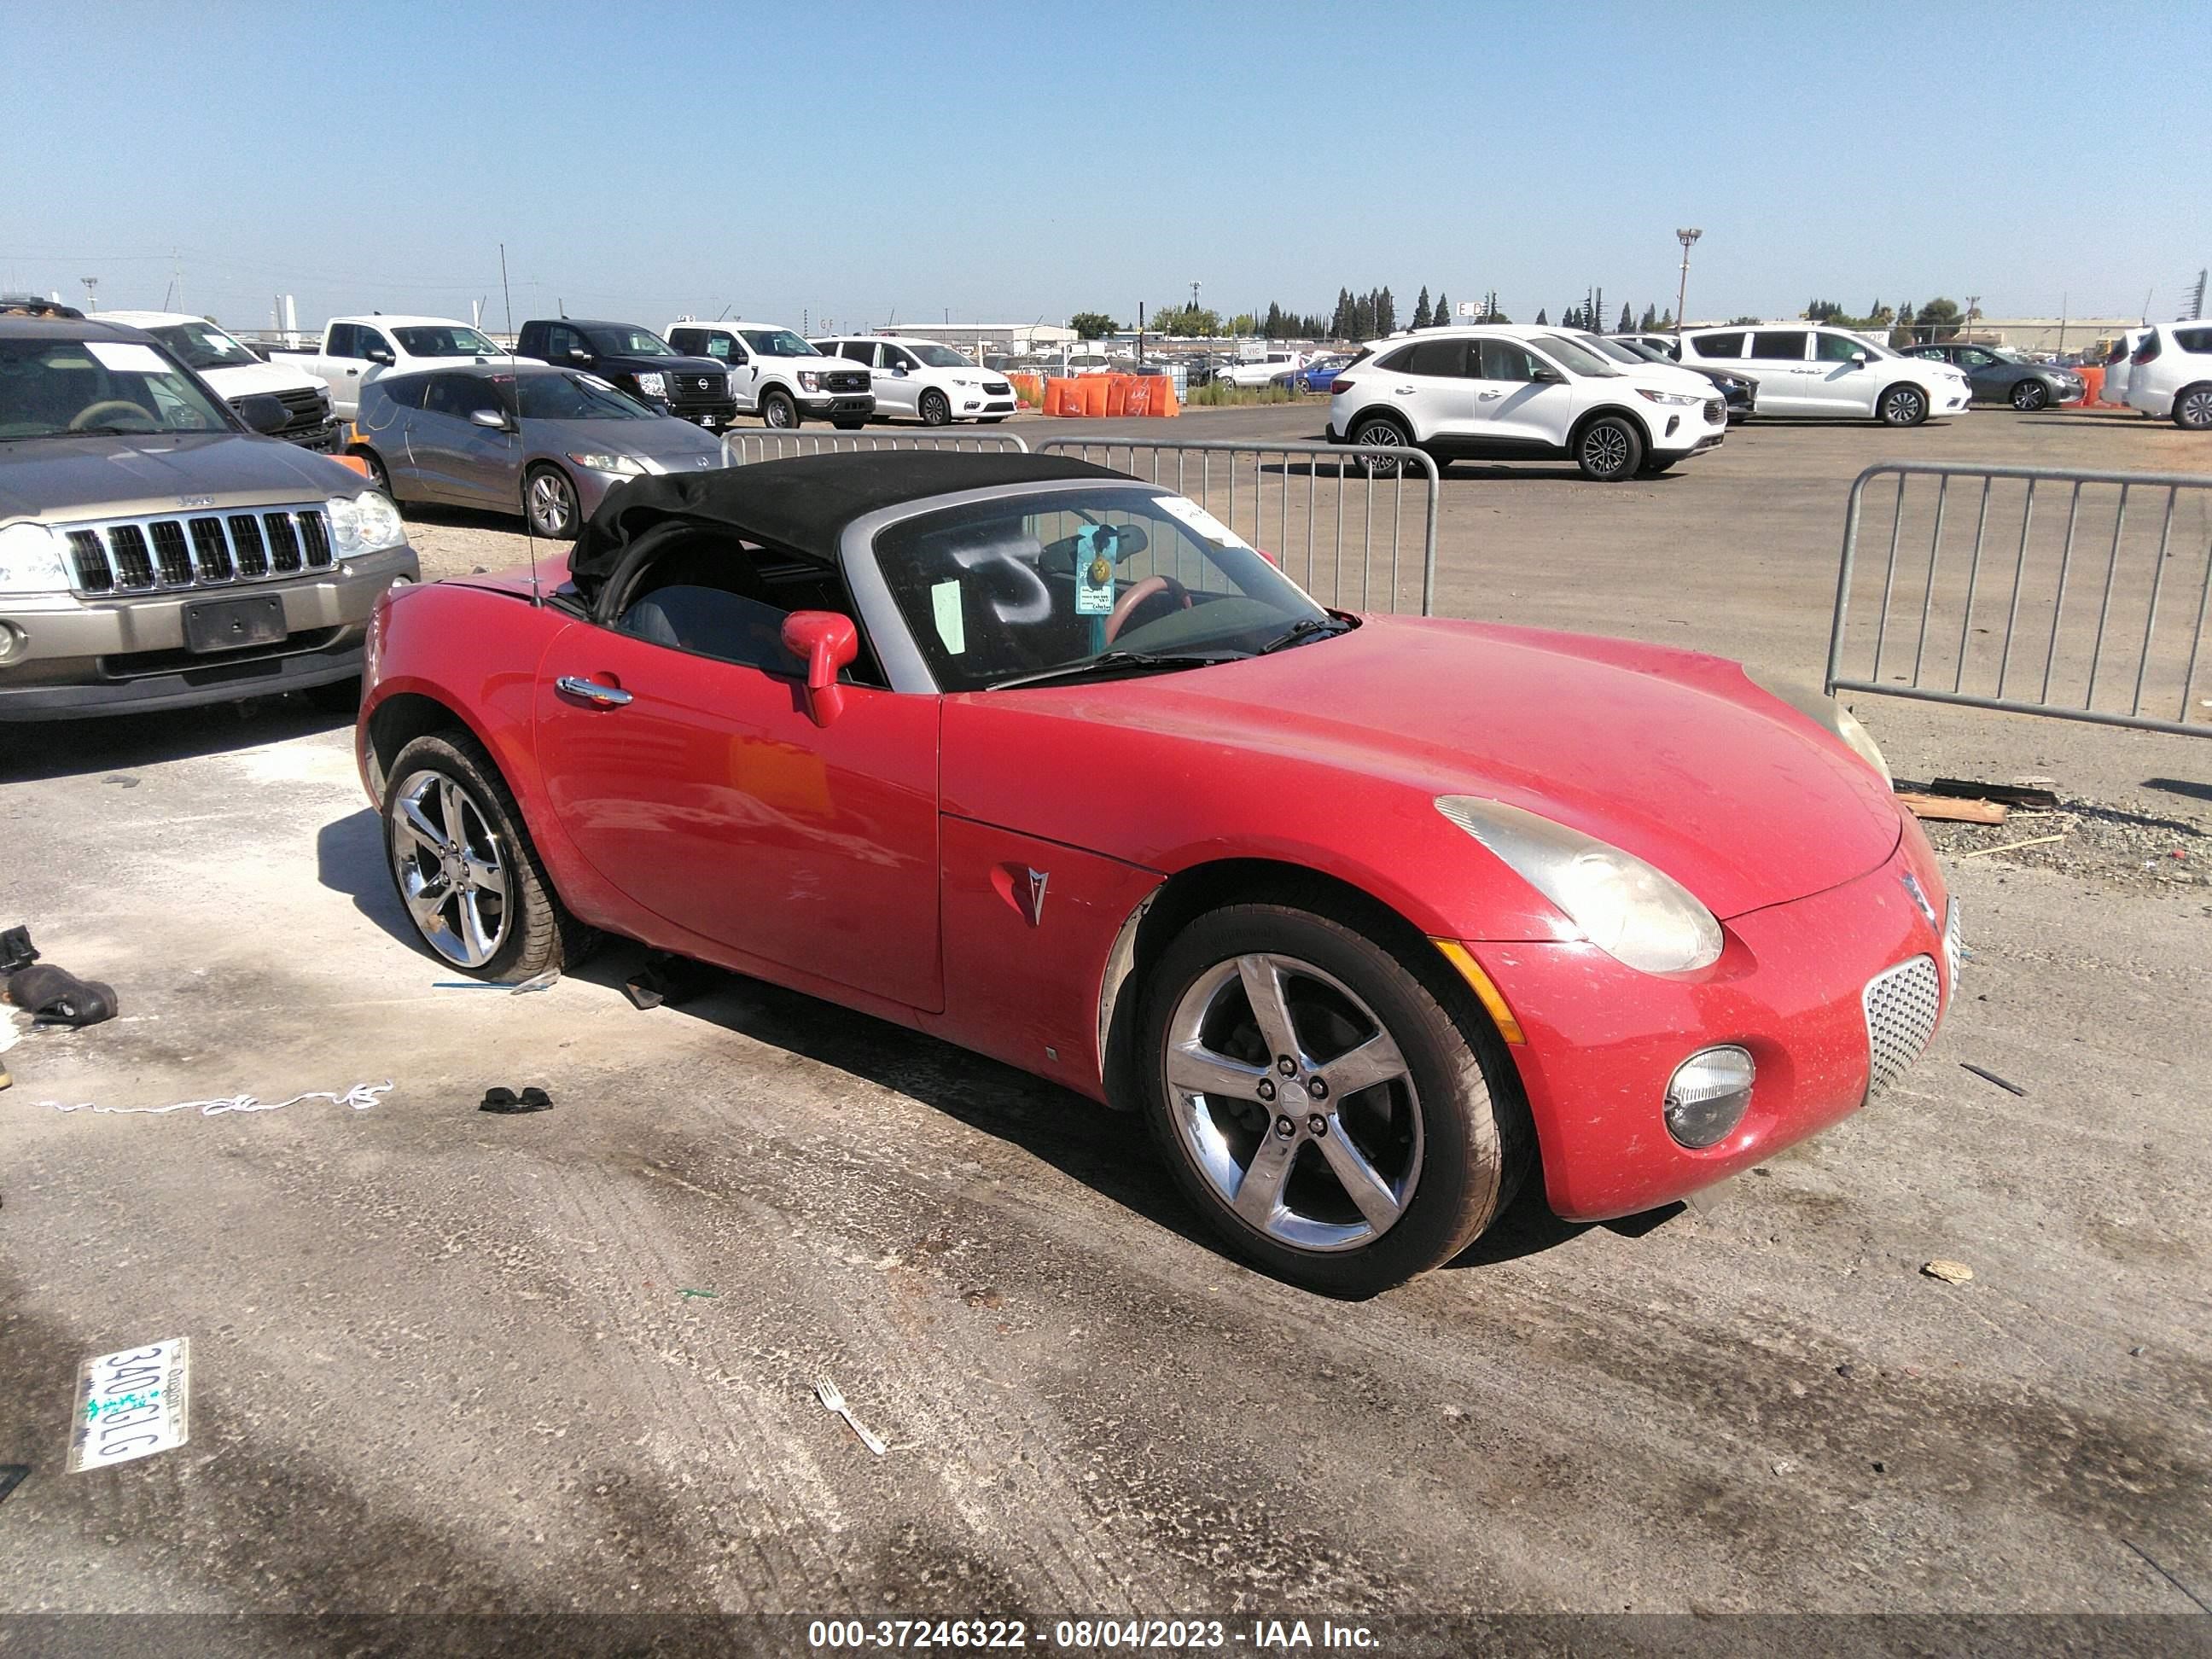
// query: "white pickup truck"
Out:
[225,363]
[358,348]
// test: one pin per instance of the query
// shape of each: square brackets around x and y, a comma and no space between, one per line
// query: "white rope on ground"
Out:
[360,1098]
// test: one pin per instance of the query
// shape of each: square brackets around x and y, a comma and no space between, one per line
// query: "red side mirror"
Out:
[825,642]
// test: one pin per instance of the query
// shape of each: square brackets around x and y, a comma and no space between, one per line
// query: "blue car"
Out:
[1316,375]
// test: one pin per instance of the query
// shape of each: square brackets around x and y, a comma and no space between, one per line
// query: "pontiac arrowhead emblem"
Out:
[1033,907]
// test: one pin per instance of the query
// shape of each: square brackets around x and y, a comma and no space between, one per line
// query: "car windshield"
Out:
[1047,584]
[1644,352]
[630,342]
[446,340]
[1613,349]
[203,345]
[576,397]
[58,388]
[777,343]
[1573,354]
[938,356]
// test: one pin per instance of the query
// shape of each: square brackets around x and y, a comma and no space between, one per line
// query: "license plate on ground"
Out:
[228,624]
[131,1405]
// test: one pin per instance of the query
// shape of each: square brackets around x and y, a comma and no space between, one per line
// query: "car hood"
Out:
[1667,378]
[247,380]
[662,365]
[677,445]
[1673,756]
[59,479]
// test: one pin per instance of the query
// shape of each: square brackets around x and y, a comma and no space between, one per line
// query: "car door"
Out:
[898,380]
[455,460]
[1778,359]
[1427,381]
[698,788]
[727,349]
[344,360]
[1988,375]
[1519,408]
[1845,381]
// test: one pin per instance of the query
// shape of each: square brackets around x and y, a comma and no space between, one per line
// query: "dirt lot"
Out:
[444,1361]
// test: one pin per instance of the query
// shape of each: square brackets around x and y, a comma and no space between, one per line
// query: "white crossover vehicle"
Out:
[236,372]
[2119,368]
[1513,391]
[2170,375]
[922,380]
[1809,369]
[777,375]
[1263,371]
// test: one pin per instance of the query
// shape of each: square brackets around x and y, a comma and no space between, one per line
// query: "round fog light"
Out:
[11,640]
[1708,1094]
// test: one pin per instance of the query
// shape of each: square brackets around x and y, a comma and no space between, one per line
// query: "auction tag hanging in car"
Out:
[131,1405]
[1094,572]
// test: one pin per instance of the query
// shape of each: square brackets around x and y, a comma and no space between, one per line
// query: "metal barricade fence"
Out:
[2080,595]
[768,444]
[1308,504]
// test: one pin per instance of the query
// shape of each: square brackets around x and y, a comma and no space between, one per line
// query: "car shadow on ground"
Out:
[1105,1149]
[116,743]
[2182,786]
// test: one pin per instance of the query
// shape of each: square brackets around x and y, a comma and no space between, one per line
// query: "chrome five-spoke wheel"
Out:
[452,868]
[1293,1101]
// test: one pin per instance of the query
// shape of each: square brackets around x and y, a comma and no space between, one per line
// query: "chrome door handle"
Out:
[603,696]
[1404,392]
[1486,397]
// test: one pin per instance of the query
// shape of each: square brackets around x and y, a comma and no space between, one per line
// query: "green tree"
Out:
[1939,320]
[1442,314]
[1421,318]
[1900,331]
[1492,312]
[1627,318]
[1649,323]
[1386,313]
[1093,325]
[1339,325]
[1243,323]
[1542,321]
[1823,311]
[1667,318]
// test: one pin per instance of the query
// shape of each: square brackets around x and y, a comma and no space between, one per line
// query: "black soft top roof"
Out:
[803,504]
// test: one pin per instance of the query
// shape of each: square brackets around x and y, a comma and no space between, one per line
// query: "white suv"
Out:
[2121,364]
[1517,392]
[922,380]
[2171,374]
[1807,369]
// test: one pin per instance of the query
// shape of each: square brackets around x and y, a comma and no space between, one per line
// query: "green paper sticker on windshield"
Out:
[944,609]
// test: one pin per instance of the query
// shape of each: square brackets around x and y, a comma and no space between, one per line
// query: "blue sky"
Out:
[856,161]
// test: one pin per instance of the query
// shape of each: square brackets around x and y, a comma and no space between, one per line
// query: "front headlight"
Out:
[653,386]
[1635,914]
[810,380]
[627,466]
[33,560]
[1677,398]
[364,523]
[1825,710]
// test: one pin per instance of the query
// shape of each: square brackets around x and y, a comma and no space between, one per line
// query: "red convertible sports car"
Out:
[1369,916]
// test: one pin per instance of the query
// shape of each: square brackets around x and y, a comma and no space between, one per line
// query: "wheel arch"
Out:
[2173,409]
[398,719]
[1386,411]
[1199,889]
[1584,421]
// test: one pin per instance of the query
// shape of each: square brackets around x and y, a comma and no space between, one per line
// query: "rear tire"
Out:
[1609,449]
[778,410]
[448,776]
[1445,1129]
[380,476]
[2192,408]
[1902,405]
[2029,396]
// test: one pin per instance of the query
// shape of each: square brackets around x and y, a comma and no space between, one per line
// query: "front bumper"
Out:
[1791,986]
[714,415]
[84,657]
[838,406]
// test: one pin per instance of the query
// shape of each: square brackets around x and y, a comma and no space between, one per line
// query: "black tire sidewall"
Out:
[459,757]
[1636,449]
[1881,408]
[2037,393]
[2180,402]
[575,506]
[780,399]
[1468,1168]
[935,409]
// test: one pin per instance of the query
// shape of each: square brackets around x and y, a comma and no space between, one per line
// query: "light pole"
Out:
[1682,290]
[91,292]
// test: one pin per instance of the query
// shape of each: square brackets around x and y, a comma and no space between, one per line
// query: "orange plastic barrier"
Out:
[1031,387]
[1117,393]
[1140,399]
[1055,395]
[1091,390]
[1163,398]
[2092,380]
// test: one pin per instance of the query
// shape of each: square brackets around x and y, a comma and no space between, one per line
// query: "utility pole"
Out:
[91,292]
[507,294]
[1682,289]
[1973,301]
[2197,296]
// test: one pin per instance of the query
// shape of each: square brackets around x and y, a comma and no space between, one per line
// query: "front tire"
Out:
[1902,405]
[548,502]
[935,409]
[2029,396]
[1609,450]
[2192,408]
[1386,1147]
[466,870]
[380,476]
[778,410]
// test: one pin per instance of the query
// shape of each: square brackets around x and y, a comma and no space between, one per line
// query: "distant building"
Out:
[999,339]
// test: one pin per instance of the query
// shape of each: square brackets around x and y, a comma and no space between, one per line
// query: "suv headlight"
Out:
[627,466]
[33,560]
[1819,706]
[1678,398]
[1635,914]
[364,523]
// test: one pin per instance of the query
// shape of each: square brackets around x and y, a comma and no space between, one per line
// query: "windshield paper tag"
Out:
[944,605]
[1199,520]
[120,357]
[1094,577]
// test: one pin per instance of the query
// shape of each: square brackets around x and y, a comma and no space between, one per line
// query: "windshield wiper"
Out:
[1114,662]
[1306,628]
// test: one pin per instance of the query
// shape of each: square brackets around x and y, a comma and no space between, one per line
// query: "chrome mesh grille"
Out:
[1902,1007]
[166,554]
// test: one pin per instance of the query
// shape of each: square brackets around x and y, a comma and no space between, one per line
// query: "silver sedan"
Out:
[547,442]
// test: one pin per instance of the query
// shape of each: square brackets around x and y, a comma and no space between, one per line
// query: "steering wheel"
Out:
[86,418]
[1136,595]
